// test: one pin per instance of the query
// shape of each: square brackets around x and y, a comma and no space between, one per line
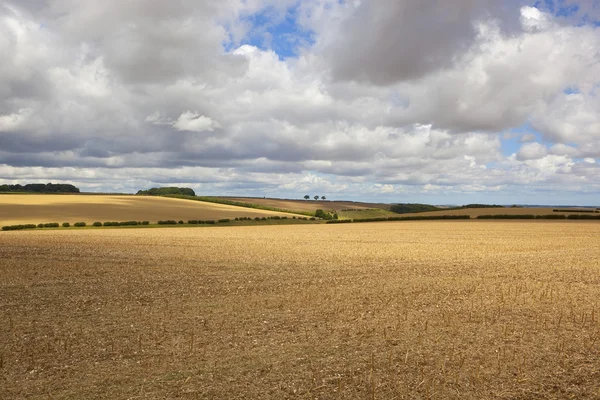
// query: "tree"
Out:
[323,198]
[316,198]
[306,197]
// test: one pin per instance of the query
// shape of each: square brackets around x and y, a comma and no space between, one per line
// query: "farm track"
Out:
[407,310]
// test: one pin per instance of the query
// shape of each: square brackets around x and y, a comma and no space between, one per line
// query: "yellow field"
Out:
[404,310]
[34,209]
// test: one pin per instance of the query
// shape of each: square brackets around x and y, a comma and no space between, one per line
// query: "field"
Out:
[306,205]
[40,208]
[475,212]
[404,310]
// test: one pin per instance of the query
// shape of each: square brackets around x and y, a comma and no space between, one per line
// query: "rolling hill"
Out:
[40,208]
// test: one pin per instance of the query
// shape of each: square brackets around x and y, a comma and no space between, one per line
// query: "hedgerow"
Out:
[18,227]
[507,216]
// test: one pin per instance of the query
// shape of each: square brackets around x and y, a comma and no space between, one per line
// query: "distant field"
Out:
[399,310]
[474,212]
[40,208]
[307,205]
[366,213]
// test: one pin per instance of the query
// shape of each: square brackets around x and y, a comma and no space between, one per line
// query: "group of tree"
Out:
[39,188]
[327,215]
[166,191]
[306,197]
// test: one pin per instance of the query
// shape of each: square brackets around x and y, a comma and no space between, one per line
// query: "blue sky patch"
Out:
[277,30]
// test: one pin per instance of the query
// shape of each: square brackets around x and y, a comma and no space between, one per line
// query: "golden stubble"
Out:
[407,310]
[42,208]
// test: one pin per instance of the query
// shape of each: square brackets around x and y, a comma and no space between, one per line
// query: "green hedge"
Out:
[79,224]
[66,224]
[97,223]
[507,216]
[573,210]
[18,227]
[414,218]
[167,222]
[585,216]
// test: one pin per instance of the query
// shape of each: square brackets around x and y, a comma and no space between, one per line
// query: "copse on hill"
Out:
[166,191]
[39,188]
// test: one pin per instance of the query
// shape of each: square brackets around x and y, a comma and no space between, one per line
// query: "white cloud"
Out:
[532,151]
[534,20]
[104,93]
[194,122]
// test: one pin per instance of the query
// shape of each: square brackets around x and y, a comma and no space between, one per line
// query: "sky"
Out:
[434,101]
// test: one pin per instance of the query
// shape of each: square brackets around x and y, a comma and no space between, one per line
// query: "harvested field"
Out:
[475,212]
[405,310]
[307,205]
[39,208]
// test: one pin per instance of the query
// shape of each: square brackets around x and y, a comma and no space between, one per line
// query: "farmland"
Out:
[408,310]
[39,208]
[306,205]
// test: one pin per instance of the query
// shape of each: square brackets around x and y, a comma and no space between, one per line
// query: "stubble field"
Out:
[406,310]
[40,208]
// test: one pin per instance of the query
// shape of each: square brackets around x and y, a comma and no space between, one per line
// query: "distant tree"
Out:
[323,198]
[306,197]
[40,188]
[316,198]
[166,191]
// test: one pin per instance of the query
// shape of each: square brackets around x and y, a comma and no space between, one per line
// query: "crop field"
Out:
[307,205]
[40,208]
[400,310]
[475,212]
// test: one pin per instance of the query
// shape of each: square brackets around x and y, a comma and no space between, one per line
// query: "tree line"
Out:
[40,188]
[167,191]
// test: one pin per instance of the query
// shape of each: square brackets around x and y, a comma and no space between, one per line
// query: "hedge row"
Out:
[574,210]
[585,216]
[507,216]
[122,223]
[412,218]
[547,216]
[18,227]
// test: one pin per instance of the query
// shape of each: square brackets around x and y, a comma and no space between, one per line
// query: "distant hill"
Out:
[39,188]
[413,208]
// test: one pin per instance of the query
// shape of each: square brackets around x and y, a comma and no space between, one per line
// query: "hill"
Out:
[34,209]
[304,205]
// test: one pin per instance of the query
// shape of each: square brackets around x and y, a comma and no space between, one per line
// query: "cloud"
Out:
[571,118]
[188,121]
[532,151]
[375,103]
[194,122]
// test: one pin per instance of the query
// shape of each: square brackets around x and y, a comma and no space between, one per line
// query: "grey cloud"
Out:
[395,40]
